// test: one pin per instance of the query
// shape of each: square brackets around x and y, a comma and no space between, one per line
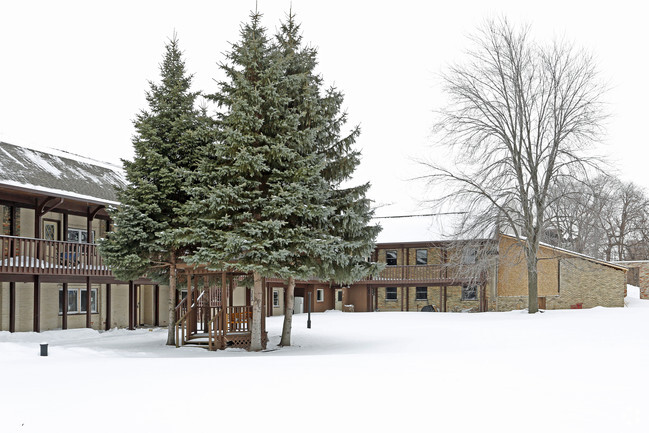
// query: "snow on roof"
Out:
[57,172]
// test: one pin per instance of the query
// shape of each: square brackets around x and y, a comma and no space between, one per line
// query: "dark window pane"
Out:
[422,294]
[61,301]
[391,293]
[340,295]
[469,293]
[93,301]
[84,297]
[422,257]
[72,301]
[391,257]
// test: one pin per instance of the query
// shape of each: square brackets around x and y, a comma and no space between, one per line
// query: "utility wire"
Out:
[415,216]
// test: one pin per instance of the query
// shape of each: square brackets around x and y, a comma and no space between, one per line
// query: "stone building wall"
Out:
[643,275]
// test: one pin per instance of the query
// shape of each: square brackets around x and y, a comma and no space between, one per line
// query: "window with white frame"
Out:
[421,293]
[275,298]
[319,295]
[79,235]
[422,257]
[390,293]
[77,299]
[391,257]
[469,292]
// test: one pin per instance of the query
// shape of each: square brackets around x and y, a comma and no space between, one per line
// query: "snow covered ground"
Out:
[572,371]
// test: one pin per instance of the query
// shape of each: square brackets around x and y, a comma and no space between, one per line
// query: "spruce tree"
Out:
[256,180]
[342,244]
[169,138]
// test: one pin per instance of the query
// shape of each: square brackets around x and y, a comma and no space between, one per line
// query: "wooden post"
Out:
[64,312]
[12,307]
[131,307]
[88,303]
[37,303]
[156,305]
[108,306]
[224,307]
[64,235]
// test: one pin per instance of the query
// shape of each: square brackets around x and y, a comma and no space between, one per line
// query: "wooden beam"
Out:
[131,307]
[37,304]
[12,306]
[108,306]
[156,305]
[64,313]
[88,303]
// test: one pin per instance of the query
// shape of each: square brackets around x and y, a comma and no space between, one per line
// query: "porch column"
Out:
[37,303]
[64,235]
[88,303]
[108,306]
[12,307]
[131,307]
[64,312]
[224,307]
[156,305]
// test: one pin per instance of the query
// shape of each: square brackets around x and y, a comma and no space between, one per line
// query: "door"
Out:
[339,300]
[298,305]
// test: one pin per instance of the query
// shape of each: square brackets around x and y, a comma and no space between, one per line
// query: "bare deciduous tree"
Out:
[520,116]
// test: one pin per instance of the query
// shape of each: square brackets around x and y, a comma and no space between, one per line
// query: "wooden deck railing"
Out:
[436,272]
[19,255]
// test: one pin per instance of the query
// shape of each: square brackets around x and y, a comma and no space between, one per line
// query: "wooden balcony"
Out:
[438,274]
[29,256]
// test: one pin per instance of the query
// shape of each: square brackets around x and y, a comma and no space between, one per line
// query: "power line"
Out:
[420,215]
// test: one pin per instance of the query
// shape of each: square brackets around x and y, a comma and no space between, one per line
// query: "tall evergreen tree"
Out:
[346,239]
[256,180]
[168,141]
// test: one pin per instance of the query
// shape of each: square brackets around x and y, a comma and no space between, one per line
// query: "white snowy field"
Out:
[557,371]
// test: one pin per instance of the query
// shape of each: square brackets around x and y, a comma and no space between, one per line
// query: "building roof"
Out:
[59,173]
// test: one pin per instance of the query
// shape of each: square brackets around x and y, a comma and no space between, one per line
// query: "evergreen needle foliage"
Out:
[168,141]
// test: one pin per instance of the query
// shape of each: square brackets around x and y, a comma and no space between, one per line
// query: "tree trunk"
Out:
[532,283]
[288,313]
[171,337]
[257,295]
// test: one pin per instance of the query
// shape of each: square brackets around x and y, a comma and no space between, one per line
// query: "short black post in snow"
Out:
[43,349]
[308,309]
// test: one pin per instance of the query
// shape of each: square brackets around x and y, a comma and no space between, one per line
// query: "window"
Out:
[391,257]
[340,295]
[275,298]
[319,295]
[421,294]
[469,256]
[469,293]
[422,257]
[77,301]
[78,235]
[390,293]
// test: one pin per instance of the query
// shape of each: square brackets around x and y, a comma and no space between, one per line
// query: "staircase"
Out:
[205,322]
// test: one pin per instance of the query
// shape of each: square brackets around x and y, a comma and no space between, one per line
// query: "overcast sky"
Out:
[73,74]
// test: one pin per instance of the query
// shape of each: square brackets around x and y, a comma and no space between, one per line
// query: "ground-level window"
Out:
[319,295]
[390,293]
[421,294]
[391,257]
[77,299]
[422,257]
[276,298]
[469,292]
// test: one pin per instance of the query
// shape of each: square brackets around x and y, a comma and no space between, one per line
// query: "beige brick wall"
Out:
[454,300]
[643,274]
[590,284]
